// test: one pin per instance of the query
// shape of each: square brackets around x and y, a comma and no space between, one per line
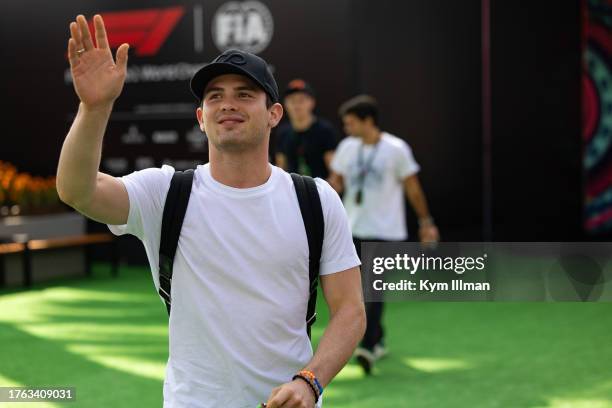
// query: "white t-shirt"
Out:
[381,214]
[239,285]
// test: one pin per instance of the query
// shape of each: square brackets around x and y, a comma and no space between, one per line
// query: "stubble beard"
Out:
[238,140]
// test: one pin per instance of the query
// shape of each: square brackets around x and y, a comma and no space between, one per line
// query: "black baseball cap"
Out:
[299,85]
[236,62]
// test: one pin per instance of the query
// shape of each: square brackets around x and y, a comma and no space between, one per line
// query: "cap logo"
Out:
[231,58]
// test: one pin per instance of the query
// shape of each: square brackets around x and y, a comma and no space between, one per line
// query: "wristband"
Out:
[313,379]
[310,384]
[318,384]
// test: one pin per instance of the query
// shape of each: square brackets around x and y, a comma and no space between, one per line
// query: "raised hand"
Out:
[98,79]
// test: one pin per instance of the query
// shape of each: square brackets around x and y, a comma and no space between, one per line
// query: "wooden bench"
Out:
[35,245]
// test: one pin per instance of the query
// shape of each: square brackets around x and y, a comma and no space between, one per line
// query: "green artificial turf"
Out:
[108,338]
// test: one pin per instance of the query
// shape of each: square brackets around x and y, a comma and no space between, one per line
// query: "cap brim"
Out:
[201,78]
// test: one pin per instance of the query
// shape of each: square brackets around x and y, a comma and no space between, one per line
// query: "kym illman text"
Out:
[425,285]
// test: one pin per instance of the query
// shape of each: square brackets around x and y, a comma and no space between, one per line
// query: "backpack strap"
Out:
[312,215]
[172,222]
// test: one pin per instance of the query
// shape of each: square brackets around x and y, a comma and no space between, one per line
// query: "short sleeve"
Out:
[339,163]
[339,252]
[147,191]
[406,163]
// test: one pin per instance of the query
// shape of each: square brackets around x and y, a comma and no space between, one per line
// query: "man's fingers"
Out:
[277,399]
[75,33]
[72,53]
[101,38]
[85,34]
[122,56]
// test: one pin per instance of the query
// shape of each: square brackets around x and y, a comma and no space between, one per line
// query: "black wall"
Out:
[537,149]
[420,58]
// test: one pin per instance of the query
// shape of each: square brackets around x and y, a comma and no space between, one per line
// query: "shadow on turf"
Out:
[488,355]
[31,361]
[74,334]
[123,328]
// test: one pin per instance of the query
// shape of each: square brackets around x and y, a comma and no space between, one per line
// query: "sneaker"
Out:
[380,351]
[365,358]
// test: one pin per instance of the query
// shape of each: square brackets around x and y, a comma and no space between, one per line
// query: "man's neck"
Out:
[302,124]
[372,136]
[240,170]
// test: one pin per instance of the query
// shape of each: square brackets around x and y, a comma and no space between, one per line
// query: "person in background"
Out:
[306,144]
[374,169]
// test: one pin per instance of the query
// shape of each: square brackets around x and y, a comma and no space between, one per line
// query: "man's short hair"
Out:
[362,106]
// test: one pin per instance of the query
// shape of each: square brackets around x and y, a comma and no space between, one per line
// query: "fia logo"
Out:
[246,25]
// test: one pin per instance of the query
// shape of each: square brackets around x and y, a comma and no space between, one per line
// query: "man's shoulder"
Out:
[394,141]
[323,188]
[330,201]
[151,175]
[349,141]
[346,148]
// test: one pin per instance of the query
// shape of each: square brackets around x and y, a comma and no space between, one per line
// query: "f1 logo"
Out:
[145,30]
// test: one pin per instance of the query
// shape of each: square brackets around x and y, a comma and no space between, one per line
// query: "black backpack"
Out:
[174,214]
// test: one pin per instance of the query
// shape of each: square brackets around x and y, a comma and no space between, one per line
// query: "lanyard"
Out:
[364,169]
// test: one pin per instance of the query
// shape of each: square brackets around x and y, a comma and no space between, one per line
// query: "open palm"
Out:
[98,79]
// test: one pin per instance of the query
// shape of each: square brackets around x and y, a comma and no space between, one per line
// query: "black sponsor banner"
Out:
[154,120]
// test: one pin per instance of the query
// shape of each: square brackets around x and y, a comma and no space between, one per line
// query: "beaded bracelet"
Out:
[313,387]
[313,381]
[308,374]
[318,384]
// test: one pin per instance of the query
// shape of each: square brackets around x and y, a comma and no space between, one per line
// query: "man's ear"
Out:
[276,114]
[200,115]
